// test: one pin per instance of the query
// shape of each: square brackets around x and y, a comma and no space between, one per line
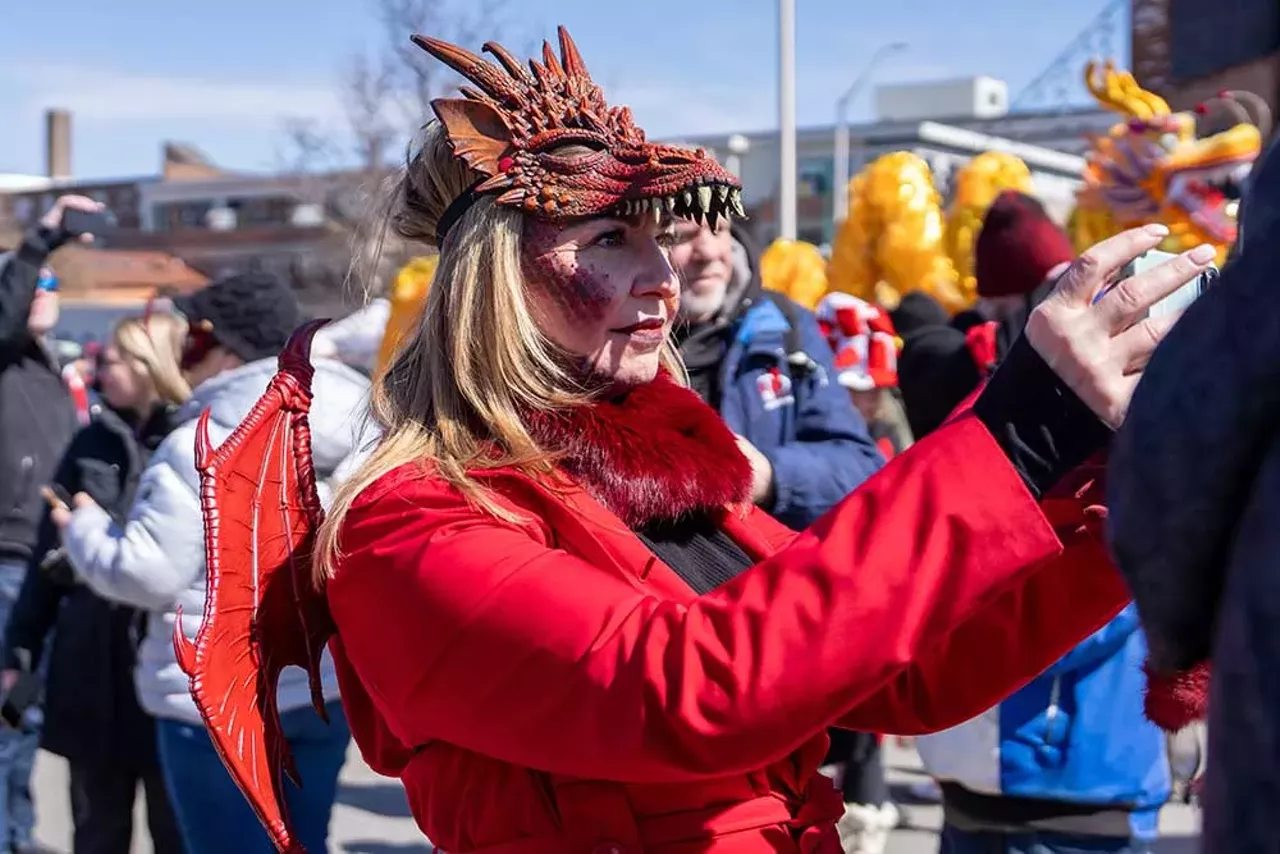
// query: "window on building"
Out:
[175,216]
[815,234]
[24,210]
[262,210]
[814,177]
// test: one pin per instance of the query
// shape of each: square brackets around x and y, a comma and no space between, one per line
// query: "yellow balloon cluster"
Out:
[796,269]
[407,297]
[891,243]
[976,186]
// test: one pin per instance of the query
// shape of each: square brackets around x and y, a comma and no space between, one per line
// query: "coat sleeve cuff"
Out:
[83,537]
[1040,424]
[39,242]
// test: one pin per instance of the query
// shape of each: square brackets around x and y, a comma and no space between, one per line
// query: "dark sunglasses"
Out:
[48,283]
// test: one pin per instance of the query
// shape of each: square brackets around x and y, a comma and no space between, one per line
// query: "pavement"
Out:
[372,816]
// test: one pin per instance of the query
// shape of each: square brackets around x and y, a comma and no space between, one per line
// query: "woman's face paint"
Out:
[603,290]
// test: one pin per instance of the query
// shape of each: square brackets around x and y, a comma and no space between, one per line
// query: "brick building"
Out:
[1189,50]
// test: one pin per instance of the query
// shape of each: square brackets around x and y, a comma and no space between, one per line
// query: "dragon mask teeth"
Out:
[704,202]
[545,142]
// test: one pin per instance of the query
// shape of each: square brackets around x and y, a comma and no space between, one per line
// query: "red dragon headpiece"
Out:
[544,139]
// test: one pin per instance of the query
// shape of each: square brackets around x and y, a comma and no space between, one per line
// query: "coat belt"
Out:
[598,819]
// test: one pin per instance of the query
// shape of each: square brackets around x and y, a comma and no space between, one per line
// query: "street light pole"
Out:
[738,146]
[787,118]
[840,170]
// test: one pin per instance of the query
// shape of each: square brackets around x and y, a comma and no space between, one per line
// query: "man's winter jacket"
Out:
[1070,753]
[37,416]
[765,366]
[155,560]
[89,688]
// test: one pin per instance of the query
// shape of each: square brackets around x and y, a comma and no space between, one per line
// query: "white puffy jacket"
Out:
[156,560]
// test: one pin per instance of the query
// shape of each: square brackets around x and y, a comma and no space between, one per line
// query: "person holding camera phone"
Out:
[37,420]
[90,683]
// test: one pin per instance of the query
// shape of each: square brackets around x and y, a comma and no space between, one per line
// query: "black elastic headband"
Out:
[455,211]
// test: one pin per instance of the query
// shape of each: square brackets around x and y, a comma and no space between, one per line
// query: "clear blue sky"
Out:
[225,75]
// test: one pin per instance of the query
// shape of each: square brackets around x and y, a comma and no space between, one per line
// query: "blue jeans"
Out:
[17,747]
[212,813]
[955,841]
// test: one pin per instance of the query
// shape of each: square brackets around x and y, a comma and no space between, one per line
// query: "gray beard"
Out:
[701,308]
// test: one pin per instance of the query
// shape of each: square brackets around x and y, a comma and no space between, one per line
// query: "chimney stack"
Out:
[57,140]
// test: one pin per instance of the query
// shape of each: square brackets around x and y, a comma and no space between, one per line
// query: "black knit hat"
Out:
[251,314]
[917,310]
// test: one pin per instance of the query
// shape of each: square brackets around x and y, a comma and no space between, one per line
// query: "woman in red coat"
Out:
[561,620]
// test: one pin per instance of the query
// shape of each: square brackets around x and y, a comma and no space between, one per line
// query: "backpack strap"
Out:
[800,362]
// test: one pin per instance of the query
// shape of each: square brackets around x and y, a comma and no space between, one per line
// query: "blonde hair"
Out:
[453,396]
[155,343]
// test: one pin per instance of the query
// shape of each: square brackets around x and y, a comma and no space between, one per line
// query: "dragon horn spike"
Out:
[514,66]
[204,447]
[1098,87]
[297,353]
[1260,115]
[483,73]
[550,60]
[571,59]
[1239,112]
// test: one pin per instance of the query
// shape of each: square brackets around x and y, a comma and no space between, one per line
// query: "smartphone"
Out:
[1183,296]
[101,224]
[56,497]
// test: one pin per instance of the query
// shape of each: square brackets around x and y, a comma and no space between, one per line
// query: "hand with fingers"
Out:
[1099,346]
[62,514]
[53,218]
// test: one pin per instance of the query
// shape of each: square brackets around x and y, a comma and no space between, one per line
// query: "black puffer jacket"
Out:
[90,689]
[937,371]
[37,416]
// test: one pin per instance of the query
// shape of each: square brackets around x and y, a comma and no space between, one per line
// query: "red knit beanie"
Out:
[1017,247]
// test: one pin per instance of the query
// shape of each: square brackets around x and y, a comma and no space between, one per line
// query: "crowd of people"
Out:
[555,654]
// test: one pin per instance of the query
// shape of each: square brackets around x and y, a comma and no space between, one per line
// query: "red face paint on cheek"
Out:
[580,294]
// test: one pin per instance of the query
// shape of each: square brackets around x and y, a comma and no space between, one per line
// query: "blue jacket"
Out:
[802,421]
[1076,734]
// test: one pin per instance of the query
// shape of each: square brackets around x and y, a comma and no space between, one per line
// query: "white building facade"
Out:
[1052,144]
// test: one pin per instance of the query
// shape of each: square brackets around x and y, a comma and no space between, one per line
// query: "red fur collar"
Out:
[655,455]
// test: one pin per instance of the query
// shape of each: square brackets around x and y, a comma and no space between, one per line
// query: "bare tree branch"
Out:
[386,98]
[368,86]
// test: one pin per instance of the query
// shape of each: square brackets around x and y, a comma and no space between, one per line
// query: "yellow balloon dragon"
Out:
[976,186]
[1153,168]
[796,269]
[892,240]
[896,238]
[407,296]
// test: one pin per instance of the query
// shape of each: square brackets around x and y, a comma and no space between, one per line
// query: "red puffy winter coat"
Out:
[550,687]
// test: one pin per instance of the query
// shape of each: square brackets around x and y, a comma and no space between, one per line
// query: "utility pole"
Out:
[787,119]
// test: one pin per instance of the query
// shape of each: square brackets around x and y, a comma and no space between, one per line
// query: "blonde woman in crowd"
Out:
[92,715]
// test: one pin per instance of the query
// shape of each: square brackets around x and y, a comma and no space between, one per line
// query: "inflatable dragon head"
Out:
[1154,167]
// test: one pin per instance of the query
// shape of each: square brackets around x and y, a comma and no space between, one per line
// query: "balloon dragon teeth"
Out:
[704,203]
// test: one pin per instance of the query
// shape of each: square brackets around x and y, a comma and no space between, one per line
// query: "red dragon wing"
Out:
[262,612]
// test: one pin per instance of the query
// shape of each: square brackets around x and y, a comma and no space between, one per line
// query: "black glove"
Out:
[59,569]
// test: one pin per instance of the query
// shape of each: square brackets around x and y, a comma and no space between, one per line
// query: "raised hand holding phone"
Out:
[1097,345]
[83,205]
